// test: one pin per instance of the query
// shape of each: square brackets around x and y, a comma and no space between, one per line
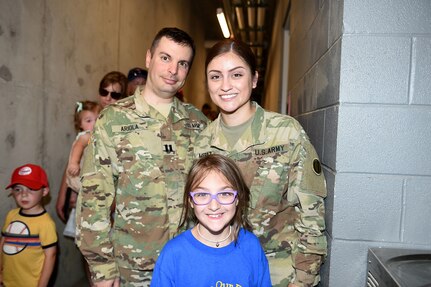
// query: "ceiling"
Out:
[257,35]
[205,11]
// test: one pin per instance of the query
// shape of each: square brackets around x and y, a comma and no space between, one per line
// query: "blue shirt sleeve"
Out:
[265,276]
[162,271]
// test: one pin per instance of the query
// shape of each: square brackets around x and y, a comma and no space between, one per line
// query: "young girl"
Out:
[220,250]
[86,113]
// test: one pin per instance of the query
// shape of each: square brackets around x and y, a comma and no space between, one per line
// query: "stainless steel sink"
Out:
[389,267]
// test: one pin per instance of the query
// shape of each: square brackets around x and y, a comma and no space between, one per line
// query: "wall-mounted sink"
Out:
[411,268]
[389,267]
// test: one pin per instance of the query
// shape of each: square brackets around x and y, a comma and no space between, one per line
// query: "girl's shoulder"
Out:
[246,233]
[83,133]
[179,239]
[248,238]
[174,247]
[83,137]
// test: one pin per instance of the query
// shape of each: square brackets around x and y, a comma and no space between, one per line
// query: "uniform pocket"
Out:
[270,183]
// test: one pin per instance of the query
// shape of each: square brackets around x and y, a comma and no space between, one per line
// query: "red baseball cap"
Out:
[30,175]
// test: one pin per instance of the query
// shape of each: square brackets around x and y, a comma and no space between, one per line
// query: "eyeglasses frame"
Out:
[213,196]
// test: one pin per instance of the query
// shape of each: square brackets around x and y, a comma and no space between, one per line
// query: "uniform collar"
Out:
[177,113]
[252,136]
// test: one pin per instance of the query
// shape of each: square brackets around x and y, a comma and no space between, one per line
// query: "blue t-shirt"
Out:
[185,261]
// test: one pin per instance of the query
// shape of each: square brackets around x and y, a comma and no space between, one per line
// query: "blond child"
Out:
[86,113]
[29,238]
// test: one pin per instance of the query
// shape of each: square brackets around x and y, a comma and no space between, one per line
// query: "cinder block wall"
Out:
[315,29]
[54,53]
[383,176]
[359,75]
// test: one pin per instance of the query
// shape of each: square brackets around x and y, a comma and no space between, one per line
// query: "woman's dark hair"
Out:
[113,78]
[235,46]
[176,35]
[227,168]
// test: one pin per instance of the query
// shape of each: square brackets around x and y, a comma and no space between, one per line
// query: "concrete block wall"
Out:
[54,53]
[314,76]
[383,176]
[359,76]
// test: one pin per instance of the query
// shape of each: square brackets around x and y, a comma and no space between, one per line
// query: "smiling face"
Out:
[29,200]
[168,67]
[230,83]
[214,217]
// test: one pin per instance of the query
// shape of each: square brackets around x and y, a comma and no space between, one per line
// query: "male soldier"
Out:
[137,158]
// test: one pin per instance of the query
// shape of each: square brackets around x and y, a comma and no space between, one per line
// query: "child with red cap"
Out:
[29,238]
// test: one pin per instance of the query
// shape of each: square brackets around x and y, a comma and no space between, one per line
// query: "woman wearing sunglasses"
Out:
[112,88]
[220,250]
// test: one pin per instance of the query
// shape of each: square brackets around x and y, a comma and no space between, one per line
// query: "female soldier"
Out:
[278,162]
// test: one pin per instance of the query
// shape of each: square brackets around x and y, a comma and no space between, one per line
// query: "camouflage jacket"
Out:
[139,159]
[287,186]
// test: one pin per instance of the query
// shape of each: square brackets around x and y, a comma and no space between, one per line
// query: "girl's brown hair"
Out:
[226,167]
[84,106]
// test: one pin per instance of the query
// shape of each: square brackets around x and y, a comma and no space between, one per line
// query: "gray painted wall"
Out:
[362,94]
[383,181]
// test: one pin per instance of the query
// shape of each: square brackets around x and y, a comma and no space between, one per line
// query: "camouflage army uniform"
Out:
[139,158]
[282,169]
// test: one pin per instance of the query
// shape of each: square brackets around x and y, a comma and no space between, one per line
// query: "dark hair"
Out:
[84,106]
[137,73]
[113,78]
[235,46]
[226,167]
[178,36]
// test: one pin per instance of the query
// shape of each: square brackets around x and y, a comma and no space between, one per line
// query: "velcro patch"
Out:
[194,125]
[125,128]
[169,147]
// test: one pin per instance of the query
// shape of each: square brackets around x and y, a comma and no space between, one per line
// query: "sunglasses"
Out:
[114,95]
